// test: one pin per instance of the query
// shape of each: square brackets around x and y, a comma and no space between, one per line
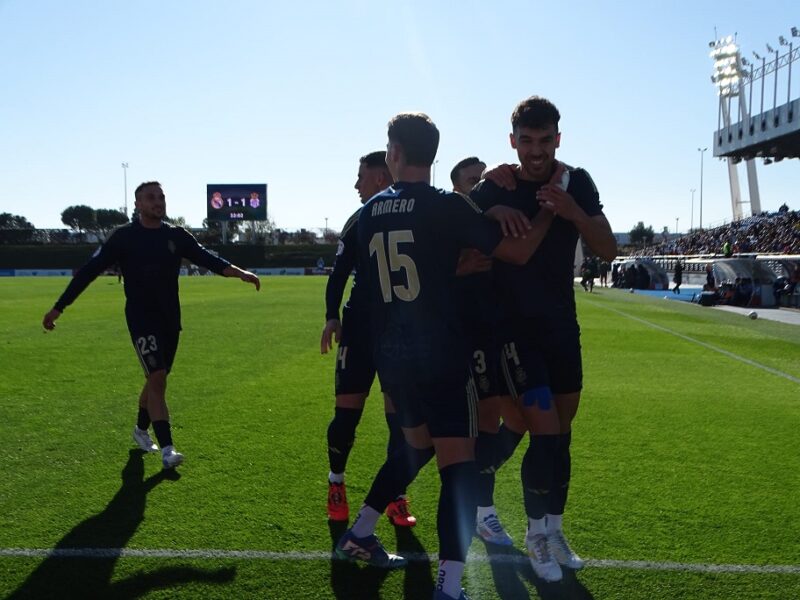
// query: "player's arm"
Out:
[518,250]
[199,255]
[101,260]
[594,229]
[246,276]
[503,175]
[337,281]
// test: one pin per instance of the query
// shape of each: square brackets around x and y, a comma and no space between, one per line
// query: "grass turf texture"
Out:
[680,453]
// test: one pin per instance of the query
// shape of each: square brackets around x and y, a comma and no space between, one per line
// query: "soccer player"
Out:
[149,253]
[477,306]
[542,355]
[409,239]
[355,369]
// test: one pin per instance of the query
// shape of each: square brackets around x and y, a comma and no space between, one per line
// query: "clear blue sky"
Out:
[292,93]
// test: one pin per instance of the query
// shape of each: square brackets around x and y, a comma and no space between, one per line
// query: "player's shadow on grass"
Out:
[83,561]
[510,567]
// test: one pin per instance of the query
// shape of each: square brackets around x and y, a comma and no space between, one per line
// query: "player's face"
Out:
[368,182]
[468,177]
[536,149]
[152,203]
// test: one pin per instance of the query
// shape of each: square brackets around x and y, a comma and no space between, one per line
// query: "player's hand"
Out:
[502,175]
[512,221]
[249,277]
[49,319]
[472,261]
[331,333]
[559,202]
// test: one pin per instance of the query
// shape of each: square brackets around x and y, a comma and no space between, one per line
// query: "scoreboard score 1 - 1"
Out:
[236,201]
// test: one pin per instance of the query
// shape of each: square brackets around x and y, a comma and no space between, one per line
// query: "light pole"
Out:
[676,226]
[326,227]
[434,172]
[125,179]
[701,151]
[691,220]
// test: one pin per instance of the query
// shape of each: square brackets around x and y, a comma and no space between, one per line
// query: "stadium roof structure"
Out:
[747,128]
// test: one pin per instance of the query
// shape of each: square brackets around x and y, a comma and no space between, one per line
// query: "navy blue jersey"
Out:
[409,238]
[544,285]
[149,260]
[346,260]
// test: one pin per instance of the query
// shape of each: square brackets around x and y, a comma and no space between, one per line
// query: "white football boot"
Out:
[542,561]
[561,551]
[170,458]
[143,440]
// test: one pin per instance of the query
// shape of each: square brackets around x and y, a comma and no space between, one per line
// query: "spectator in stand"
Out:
[711,283]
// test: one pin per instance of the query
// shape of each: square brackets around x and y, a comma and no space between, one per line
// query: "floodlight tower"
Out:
[729,71]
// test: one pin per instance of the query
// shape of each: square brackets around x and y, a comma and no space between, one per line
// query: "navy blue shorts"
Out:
[448,408]
[155,347]
[485,360]
[542,353]
[355,365]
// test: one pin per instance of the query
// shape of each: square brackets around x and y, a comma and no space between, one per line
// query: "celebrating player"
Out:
[543,356]
[477,307]
[409,237]
[355,369]
[149,253]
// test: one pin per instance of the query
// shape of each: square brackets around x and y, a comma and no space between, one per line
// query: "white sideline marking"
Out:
[640,565]
[746,361]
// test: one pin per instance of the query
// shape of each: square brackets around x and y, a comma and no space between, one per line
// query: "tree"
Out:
[79,217]
[107,219]
[15,229]
[9,221]
[259,232]
[177,221]
[641,234]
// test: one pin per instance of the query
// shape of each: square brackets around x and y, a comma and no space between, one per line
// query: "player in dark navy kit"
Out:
[149,253]
[355,368]
[479,312]
[409,238]
[542,354]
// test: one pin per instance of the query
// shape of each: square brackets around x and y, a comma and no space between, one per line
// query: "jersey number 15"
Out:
[396,261]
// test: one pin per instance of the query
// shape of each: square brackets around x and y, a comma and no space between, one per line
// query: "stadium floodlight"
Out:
[767,160]
[769,49]
[727,67]
[795,32]
[782,41]
[757,55]
[745,62]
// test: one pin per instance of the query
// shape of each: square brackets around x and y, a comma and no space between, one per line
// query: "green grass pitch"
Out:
[683,455]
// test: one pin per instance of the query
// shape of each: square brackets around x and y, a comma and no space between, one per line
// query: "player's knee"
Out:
[342,429]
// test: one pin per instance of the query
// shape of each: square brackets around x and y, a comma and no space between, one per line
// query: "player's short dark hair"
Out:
[536,113]
[374,160]
[144,185]
[463,164]
[417,135]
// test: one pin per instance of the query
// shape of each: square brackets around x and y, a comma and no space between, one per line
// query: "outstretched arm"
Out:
[246,276]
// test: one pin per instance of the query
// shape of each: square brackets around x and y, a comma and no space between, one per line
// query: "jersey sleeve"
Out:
[584,191]
[469,225]
[192,249]
[102,259]
[346,257]
[485,194]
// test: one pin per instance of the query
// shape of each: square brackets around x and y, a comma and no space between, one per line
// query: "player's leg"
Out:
[341,436]
[140,434]
[526,376]
[359,542]
[398,511]
[565,370]
[353,379]
[453,425]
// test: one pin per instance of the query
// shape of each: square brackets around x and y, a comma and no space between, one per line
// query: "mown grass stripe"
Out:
[722,351]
